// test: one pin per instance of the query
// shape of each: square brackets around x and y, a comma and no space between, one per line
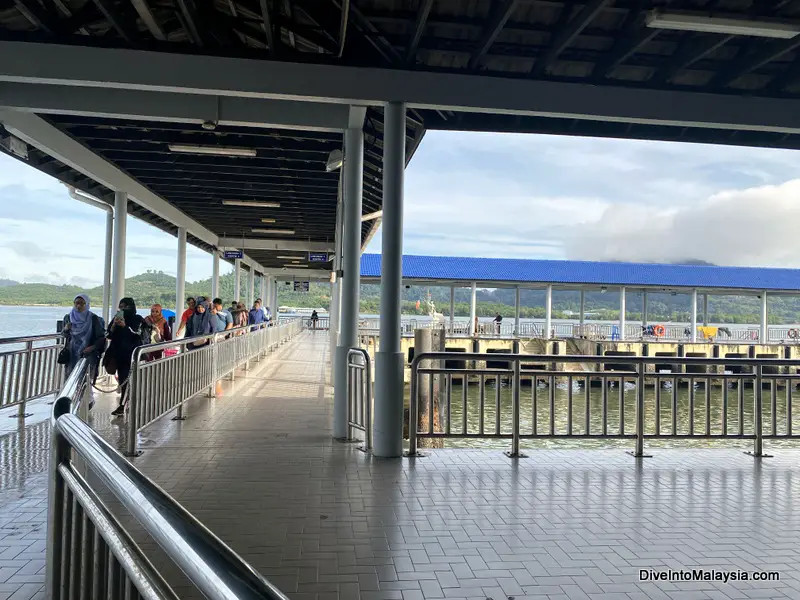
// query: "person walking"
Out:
[160,330]
[256,316]
[185,317]
[498,320]
[240,316]
[203,322]
[125,333]
[84,337]
[224,317]
[314,319]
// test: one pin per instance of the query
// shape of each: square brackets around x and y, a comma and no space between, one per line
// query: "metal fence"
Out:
[91,555]
[164,376]
[322,324]
[626,389]
[359,395]
[29,369]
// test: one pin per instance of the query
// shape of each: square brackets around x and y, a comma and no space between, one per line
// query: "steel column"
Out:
[214,275]
[351,272]
[180,278]
[705,309]
[118,252]
[764,333]
[582,316]
[548,311]
[107,290]
[251,287]
[622,310]
[693,324]
[237,280]
[516,311]
[644,309]
[388,413]
[452,308]
[472,308]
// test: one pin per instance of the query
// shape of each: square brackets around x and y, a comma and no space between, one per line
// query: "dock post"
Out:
[237,280]
[180,279]
[118,253]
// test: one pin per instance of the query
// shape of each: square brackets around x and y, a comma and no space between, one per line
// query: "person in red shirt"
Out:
[187,314]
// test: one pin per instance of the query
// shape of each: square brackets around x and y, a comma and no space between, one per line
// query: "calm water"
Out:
[18,321]
[617,398]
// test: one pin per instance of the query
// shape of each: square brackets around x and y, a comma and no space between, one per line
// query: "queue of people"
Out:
[86,335]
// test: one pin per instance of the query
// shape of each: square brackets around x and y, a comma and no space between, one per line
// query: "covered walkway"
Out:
[323,520]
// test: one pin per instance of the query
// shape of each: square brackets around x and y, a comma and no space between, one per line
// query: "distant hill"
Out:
[8,282]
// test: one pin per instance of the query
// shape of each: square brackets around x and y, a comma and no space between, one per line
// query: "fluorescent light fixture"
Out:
[267,220]
[707,24]
[290,266]
[252,203]
[275,231]
[335,159]
[213,150]
[290,257]
[373,215]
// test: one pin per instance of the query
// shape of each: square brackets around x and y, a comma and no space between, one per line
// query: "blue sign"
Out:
[318,257]
[300,286]
[233,254]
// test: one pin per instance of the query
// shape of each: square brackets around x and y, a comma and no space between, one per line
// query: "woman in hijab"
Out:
[240,316]
[125,333]
[161,331]
[83,335]
[202,322]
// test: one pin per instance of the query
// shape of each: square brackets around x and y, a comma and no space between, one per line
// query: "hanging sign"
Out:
[318,257]
[233,254]
[300,286]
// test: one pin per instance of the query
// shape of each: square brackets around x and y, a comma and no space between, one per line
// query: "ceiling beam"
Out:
[146,15]
[758,59]
[565,37]
[172,107]
[191,19]
[122,68]
[274,244]
[689,55]
[419,28]
[37,132]
[624,51]
[269,28]
[497,21]
[119,21]
[38,16]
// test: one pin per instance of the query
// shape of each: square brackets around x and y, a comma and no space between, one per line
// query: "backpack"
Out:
[146,332]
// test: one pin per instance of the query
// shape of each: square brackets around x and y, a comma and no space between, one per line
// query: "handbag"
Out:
[64,356]
[110,363]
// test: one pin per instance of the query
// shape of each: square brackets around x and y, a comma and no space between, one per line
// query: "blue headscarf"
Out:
[80,325]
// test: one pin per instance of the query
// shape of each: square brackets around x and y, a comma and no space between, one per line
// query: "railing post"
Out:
[368,404]
[412,410]
[59,453]
[758,417]
[639,451]
[515,397]
[133,405]
[212,389]
[26,380]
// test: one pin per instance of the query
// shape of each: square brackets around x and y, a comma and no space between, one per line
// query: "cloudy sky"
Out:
[498,195]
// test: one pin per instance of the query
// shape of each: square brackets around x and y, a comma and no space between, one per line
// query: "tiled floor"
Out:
[323,520]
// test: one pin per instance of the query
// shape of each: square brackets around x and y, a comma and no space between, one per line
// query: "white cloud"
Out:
[750,227]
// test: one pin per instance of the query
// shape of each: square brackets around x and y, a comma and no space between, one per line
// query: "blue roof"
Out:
[517,270]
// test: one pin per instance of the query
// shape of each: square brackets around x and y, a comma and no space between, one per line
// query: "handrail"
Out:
[30,338]
[91,552]
[359,395]
[30,371]
[761,373]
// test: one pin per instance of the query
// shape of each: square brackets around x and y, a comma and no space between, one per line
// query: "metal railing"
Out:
[322,324]
[91,555]
[29,369]
[359,395]
[564,403]
[160,385]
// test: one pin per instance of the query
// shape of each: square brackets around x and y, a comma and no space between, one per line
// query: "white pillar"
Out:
[516,311]
[622,309]
[693,323]
[274,298]
[764,337]
[582,316]
[180,278]
[351,276]
[452,308]
[548,311]
[472,302]
[237,280]
[705,309]
[107,290]
[333,319]
[336,292]
[644,309]
[214,274]
[251,291]
[118,251]
[389,363]
[266,291]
